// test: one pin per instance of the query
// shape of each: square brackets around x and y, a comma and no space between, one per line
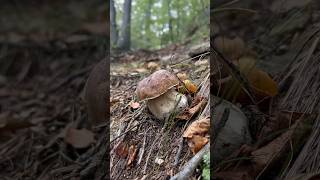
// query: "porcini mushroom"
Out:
[159,92]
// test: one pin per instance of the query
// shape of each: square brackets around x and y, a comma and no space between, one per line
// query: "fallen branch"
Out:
[191,165]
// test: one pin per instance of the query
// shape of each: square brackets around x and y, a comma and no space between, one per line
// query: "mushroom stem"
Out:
[162,106]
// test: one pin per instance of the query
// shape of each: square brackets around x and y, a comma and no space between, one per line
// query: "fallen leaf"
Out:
[196,134]
[198,127]
[132,154]
[232,49]
[182,76]
[134,105]
[262,84]
[79,138]
[197,142]
[276,151]
[192,88]
[153,66]
[122,150]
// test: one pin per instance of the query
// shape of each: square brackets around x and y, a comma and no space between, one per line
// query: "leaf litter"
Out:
[158,152]
[284,126]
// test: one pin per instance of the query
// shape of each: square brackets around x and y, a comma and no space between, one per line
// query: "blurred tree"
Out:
[157,23]
[125,36]
[114,29]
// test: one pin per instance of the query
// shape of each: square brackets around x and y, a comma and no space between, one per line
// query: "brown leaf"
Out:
[153,66]
[272,151]
[192,88]
[79,138]
[182,76]
[132,154]
[122,150]
[198,127]
[231,48]
[197,142]
[196,134]
[279,121]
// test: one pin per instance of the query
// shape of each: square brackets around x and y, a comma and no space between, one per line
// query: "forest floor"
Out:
[134,127]
[284,38]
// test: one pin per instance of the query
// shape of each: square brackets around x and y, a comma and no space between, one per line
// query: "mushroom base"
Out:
[162,106]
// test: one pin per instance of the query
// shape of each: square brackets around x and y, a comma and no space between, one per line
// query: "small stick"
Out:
[177,157]
[148,157]
[191,164]
[143,147]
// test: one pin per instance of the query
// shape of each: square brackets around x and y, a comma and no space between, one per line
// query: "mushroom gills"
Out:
[162,106]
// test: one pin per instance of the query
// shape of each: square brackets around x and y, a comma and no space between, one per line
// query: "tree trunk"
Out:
[148,21]
[170,20]
[125,38]
[114,30]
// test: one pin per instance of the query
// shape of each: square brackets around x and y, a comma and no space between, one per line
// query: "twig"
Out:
[179,62]
[191,165]
[177,157]
[148,157]
[141,153]
[236,73]
[126,132]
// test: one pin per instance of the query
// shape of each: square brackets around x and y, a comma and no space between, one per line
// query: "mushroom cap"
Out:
[156,84]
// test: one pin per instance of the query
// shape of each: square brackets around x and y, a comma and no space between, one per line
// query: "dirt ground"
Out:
[153,138]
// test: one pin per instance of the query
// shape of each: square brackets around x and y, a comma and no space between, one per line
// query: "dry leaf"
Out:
[198,127]
[279,121]
[153,66]
[192,88]
[232,49]
[262,84]
[132,154]
[122,150]
[182,76]
[196,133]
[79,138]
[134,105]
[271,151]
[197,142]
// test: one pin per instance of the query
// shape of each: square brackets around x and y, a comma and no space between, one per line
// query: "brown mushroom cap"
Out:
[156,84]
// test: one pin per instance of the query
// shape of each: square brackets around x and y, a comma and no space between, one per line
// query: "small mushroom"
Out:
[162,98]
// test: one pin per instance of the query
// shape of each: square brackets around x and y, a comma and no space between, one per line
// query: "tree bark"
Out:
[148,21]
[125,38]
[114,30]
[170,20]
